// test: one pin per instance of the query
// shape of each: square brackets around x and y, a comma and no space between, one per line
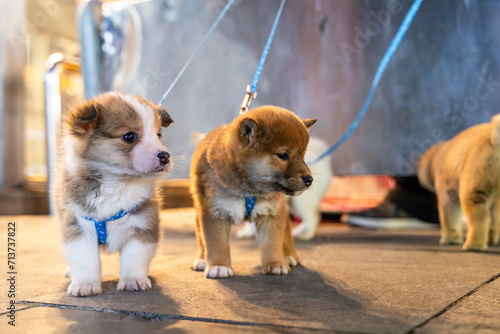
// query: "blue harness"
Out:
[249,204]
[100,225]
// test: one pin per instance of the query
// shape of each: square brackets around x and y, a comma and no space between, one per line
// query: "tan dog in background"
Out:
[260,154]
[465,174]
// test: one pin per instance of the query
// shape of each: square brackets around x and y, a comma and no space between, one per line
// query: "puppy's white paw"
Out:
[304,232]
[199,264]
[277,268]
[292,260]
[493,237]
[247,231]
[83,289]
[298,230]
[218,272]
[134,284]
[451,239]
[469,246]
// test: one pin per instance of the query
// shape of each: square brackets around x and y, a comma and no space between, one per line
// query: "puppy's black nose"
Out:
[308,180]
[164,157]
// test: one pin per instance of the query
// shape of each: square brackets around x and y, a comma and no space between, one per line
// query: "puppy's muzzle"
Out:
[308,180]
[164,157]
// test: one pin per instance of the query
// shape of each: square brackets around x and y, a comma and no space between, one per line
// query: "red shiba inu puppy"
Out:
[241,172]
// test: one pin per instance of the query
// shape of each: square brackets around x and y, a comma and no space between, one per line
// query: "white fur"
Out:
[248,230]
[145,153]
[199,264]
[71,160]
[264,208]
[115,196]
[218,272]
[120,231]
[306,205]
[84,262]
[134,265]
[262,236]
[291,260]
[233,207]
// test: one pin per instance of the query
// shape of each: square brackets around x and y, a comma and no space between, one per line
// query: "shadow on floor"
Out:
[125,303]
[303,296]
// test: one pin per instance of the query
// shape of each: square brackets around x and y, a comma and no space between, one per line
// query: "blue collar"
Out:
[100,225]
[249,204]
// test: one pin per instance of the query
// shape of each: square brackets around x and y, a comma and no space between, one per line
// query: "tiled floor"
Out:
[352,280]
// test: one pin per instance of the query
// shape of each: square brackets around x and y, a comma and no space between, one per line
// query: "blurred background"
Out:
[443,78]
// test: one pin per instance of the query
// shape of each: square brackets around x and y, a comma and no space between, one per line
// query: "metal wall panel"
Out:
[443,79]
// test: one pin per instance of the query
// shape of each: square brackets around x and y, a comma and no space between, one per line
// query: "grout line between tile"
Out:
[453,304]
[163,317]
[19,310]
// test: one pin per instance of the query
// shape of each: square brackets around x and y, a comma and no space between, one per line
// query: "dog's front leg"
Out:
[271,233]
[495,223]
[216,237]
[450,217]
[82,254]
[135,257]
[200,262]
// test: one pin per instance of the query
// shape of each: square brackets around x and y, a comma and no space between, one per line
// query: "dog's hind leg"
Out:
[200,261]
[495,223]
[291,256]
[450,216]
[478,214]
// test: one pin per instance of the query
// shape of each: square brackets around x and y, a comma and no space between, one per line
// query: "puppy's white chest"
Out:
[117,196]
[229,208]
[263,208]
[116,232]
[234,209]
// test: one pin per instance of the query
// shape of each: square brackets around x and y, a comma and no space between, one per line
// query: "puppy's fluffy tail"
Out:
[495,130]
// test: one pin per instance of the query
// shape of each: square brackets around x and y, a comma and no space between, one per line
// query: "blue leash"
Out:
[252,89]
[214,25]
[378,75]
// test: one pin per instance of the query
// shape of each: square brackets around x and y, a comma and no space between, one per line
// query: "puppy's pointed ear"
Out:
[166,120]
[309,122]
[83,119]
[249,130]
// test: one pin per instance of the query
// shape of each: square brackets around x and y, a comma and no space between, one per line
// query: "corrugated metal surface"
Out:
[443,78]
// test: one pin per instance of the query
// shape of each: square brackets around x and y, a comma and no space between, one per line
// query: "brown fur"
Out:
[240,160]
[465,174]
[94,168]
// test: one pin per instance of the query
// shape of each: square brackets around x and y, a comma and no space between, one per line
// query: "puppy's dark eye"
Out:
[129,137]
[283,156]
[159,135]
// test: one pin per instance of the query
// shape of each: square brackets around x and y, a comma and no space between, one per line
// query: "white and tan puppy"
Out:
[306,205]
[464,172]
[259,156]
[105,189]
